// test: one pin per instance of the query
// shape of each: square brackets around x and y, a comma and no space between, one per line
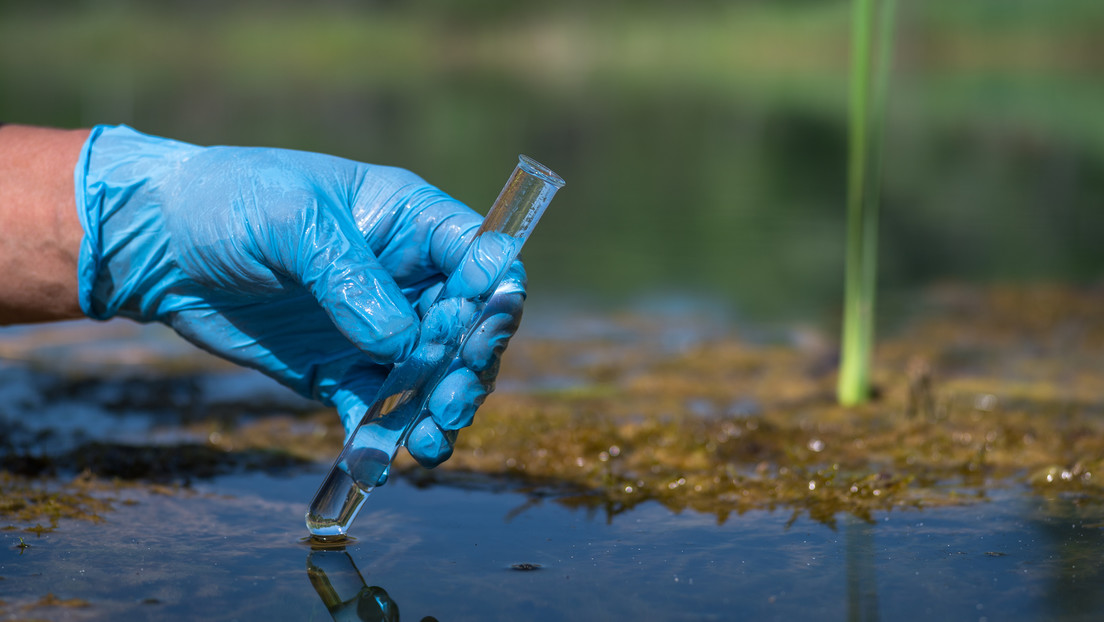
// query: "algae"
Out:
[988,389]
[50,600]
[35,505]
[985,389]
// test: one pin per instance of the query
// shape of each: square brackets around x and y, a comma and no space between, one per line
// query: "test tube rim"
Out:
[537,169]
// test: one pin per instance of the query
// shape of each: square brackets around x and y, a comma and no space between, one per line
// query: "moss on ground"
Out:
[35,505]
[987,389]
[993,388]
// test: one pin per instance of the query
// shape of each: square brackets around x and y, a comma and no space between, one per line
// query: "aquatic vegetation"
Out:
[50,600]
[871,54]
[36,505]
[173,463]
[988,389]
[728,427]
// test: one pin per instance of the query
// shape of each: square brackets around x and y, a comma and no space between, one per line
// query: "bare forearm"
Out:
[40,233]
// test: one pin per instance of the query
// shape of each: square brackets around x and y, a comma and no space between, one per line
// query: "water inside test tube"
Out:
[335,506]
[342,494]
[366,458]
[400,406]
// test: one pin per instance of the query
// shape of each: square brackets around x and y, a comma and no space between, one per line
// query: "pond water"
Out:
[704,149]
[229,549]
[218,534]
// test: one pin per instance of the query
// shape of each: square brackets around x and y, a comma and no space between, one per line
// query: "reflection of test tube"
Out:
[401,402]
[342,589]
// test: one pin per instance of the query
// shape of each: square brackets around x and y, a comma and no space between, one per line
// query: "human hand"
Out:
[310,268]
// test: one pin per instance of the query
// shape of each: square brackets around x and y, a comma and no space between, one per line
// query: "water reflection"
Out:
[1070,530]
[862,589]
[343,590]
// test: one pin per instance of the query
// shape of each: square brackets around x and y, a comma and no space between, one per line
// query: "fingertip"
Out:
[500,321]
[485,266]
[360,296]
[396,343]
[486,345]
[454,401]
[515,280]
[427,297]
[509,297]
[382,325]
[428,444]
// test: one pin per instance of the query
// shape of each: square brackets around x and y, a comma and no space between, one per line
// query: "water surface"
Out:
[230,550]
[196,528]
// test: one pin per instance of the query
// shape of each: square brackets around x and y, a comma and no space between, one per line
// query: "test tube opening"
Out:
[366,457]
[531,166]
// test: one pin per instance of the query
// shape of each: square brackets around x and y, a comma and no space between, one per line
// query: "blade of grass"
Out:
[870,63]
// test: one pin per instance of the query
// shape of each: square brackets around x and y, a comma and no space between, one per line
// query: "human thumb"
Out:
[355,290]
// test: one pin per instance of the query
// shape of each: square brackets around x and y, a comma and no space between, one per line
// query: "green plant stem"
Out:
[870,62]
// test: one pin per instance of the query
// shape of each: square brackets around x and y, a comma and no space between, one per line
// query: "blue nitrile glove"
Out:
[310,268]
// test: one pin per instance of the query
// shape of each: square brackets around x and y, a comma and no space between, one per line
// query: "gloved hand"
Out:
[310,268]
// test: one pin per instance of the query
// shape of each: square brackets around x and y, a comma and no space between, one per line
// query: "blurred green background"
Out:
[704,143]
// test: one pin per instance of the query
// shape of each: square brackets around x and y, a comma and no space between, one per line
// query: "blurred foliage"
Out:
[703,143]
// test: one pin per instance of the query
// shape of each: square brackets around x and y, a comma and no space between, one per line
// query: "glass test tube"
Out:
[401,402]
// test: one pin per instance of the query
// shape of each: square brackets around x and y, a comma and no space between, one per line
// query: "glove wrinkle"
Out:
[449,240]
[309,268]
